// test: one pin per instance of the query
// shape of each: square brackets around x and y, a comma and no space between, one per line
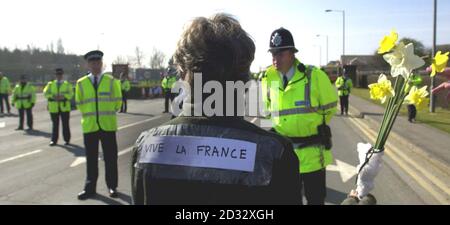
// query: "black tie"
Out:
[285,81]
[95,82]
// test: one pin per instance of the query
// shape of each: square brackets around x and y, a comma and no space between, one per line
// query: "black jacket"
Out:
[274,180]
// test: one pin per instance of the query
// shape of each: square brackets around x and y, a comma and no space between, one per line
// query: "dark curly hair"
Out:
[217,47]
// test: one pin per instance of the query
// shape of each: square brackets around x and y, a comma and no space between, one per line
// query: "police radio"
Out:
[324,132]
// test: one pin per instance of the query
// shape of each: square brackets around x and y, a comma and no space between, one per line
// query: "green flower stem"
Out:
[383,123]
[387,117]
[394,111]
[384,133]
[394,117]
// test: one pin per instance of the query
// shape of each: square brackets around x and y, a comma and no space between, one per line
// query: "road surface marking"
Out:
[430,176]
[2,124]
[20,156]
[346,171]
[78,160]
[82,159]
[403,163]
[123,152]
[143,121]
[129,125]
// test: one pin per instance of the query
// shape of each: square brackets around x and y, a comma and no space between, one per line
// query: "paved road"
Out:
[31,172]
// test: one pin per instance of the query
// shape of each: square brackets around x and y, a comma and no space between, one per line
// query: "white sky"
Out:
[119,26]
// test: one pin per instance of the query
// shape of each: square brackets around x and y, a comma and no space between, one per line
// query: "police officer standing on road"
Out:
[5,91]
[98,97]
[302,101]
[59,93]
[414,81]
[265,170]
[167,84]
[125,86]
[344,85]
[24,98]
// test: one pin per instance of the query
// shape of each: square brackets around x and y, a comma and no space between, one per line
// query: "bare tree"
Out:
[59,47]
[120,60]
[139,56]
[31,48]
[131,60]
[157,59]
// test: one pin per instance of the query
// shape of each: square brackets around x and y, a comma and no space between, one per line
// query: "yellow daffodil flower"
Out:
[388,42]
[382,89]
[439,63]
[403,61]
[418,97]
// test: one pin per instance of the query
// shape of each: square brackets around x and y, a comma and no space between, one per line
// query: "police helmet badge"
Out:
[276,39]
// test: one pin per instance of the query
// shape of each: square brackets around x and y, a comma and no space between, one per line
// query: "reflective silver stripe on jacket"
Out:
[90,100]
[296,111]
[110,94]
[306,102]
[100,113]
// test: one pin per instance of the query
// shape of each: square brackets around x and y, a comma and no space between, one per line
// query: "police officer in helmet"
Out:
[302,101]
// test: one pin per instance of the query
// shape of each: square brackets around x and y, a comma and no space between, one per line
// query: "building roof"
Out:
[365,62]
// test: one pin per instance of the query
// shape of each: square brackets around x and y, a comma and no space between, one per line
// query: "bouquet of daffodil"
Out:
[403,62]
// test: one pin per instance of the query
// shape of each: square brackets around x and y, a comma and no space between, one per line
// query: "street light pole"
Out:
[343,33]
[343,27]
[433,52]
[326,37]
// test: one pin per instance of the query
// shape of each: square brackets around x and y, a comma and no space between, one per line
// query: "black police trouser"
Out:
[109,147]
[344,103]
[4,97]
[313,186]
[65,125]
[124,101]
[168,96]
[412,111]
[29,117]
